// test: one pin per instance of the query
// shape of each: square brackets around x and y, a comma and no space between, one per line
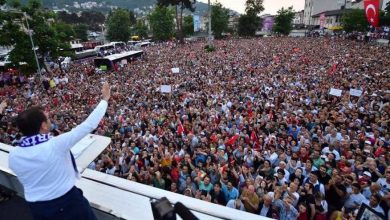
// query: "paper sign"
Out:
[165,88]
[176,70]
[355,92]
[335,92]
[124,62]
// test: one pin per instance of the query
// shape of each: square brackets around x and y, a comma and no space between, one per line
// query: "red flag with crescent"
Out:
[371,7]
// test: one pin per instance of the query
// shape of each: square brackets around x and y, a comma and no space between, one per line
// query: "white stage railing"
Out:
[120,197]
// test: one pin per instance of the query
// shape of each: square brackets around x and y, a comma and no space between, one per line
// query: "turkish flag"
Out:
[372,10]
[180,129]
[232,140]
[333,69]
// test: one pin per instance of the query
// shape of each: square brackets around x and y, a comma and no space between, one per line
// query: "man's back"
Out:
[45,173]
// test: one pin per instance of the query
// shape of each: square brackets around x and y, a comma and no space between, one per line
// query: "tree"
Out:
[141,29]
[219,19]
[80,31]
[283,21]
[182,4]
[354,20]
[254,6]
[250,22]
[119,26]
[50,38]
[387,9]
[64,31]
[133,19]
[161,22]
[188,26]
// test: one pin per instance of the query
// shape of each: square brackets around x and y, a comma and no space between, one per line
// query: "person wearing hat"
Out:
[355,199]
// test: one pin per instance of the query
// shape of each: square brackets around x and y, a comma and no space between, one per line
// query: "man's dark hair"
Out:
[29,122]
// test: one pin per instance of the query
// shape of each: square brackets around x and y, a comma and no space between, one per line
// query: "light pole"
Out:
[209,34]
[33,46]
[104,37]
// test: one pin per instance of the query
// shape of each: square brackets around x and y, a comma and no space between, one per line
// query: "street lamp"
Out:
[209,34]
[32,44]
[104,37]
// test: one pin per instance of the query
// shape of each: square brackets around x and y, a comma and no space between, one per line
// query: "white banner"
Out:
[196,21]
[165,88]
[176,70]
[335,92]
[355,92]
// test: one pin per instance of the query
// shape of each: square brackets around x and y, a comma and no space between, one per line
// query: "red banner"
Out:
[372,10]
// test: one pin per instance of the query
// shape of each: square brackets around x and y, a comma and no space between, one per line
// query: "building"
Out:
[332,9]
[298,18]
[233,21]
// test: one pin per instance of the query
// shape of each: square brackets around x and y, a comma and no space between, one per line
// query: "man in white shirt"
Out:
[46,167]
[374,203]
[355,199]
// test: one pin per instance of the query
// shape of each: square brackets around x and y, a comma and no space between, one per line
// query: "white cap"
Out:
[367,173]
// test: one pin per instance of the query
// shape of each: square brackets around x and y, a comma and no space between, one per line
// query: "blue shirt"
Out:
[229,194]
[284,213]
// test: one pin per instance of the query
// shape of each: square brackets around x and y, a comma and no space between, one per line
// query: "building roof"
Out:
[331,13]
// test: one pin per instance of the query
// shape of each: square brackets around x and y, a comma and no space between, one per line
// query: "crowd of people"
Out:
[251,126]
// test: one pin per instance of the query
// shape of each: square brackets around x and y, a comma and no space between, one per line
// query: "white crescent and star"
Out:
[368,8]
[372,7]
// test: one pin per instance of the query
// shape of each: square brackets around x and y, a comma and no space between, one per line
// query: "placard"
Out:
[165,88]
[335,92]
[176,70]
[124,62]
[355,92]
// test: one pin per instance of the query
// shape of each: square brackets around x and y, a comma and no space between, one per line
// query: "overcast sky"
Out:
[271,6]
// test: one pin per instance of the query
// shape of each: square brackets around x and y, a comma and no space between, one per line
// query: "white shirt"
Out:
[354,199]
[377,208]
[46,170]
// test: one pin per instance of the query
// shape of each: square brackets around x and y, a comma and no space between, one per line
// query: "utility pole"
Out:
[33,46]
[209,35]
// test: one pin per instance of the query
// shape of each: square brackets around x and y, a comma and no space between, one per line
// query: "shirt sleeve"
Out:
[67,140]
[294,211]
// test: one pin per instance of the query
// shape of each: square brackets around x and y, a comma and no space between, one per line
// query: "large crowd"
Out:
[250,126]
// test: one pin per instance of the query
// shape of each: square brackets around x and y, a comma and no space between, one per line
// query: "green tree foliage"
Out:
[80,31]
[283,21]
[22,56]
[119,26]
[182,4]
[50,37]
[254,7]
[219,19]
[93,19]
[64,31]
[133,19]
[354,20]
[188,26]
[248,24]
[161,22]
[140,29]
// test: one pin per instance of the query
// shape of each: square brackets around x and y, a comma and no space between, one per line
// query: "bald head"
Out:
[267,200]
